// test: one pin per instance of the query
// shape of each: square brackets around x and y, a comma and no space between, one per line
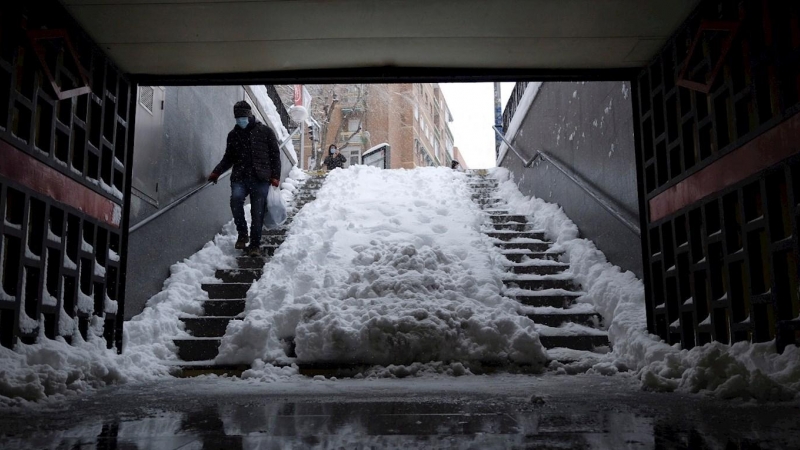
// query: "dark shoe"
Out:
[254,252]
[241,243]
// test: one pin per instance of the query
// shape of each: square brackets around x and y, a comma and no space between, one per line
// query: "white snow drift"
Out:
[385,267]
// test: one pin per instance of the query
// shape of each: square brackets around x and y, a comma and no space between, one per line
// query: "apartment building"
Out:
[412,118]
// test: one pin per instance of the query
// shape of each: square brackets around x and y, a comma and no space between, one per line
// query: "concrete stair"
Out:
[519,255]
[556,320]
[549,269]
[536,247]
[510,235]
[226,301]
[542,285]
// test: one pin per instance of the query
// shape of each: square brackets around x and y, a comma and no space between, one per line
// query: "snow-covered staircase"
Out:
[541,284]
[226,300]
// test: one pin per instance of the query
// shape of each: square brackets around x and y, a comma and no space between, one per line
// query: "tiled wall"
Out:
[721,238]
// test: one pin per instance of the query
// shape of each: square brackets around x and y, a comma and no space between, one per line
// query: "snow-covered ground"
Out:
[390,268]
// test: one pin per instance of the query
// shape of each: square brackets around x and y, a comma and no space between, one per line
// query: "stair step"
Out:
[223,307]
[536,247]
[556,320]
[267,249]
[246,262]
[511,226]
[274,232]
[581,342]
[553,301]
[226,290]
[549,269]
[541,284]
[519,257]
[509,235]
[238,275]
[207,326]
[197,349]
[272,242]
[505,218]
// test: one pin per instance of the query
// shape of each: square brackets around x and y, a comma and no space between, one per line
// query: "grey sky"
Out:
[472,105]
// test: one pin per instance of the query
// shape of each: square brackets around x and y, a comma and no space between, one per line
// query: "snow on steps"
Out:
[545,290]
[227,302]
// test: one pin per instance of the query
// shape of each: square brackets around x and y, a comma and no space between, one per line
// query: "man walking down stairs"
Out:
[226,300]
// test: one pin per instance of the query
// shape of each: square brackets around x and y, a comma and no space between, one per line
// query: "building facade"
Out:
[412,118]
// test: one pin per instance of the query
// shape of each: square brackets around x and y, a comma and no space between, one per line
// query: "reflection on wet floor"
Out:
[404,425]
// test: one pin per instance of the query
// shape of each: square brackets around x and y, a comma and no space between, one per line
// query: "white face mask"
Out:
[333,150]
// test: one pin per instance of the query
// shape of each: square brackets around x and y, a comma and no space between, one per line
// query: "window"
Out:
[353,124]
[146,97]
[416,113]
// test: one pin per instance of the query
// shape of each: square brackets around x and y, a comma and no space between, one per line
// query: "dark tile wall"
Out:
[49,250]
[723,268]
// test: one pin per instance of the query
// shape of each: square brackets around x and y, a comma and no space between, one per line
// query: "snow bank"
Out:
[53,369]
[265,106]
[742,370]
[385,267]
[149,335]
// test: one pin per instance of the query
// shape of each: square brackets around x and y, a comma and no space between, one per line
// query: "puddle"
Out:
[399,425]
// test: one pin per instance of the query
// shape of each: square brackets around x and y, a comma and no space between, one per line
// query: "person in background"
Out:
[253,152]
[454,165]
[334,158]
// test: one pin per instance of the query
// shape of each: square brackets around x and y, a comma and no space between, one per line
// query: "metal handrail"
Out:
[175,203]
[197,189]
[575,178]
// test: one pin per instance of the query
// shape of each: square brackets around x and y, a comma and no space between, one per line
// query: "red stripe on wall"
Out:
[33,174]
[759,154]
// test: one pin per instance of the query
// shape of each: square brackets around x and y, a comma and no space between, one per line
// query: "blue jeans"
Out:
[257,190]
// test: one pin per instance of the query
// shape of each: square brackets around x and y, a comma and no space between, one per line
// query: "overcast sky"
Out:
[472,105]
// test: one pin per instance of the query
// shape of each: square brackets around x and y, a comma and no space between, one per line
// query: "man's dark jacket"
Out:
[252,151]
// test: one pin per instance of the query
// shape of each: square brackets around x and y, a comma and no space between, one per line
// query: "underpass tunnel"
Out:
[702,102]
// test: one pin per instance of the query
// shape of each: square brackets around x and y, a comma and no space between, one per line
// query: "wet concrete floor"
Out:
[474,412]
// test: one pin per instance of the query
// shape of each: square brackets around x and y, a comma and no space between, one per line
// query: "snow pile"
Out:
[427,370]
[53,369]
[265,106]
[742,370]
[149,335]
[385,267]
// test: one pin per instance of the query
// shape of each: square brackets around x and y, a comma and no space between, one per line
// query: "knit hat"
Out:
[242,109]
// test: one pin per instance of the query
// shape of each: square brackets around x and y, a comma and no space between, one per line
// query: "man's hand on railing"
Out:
[213,177]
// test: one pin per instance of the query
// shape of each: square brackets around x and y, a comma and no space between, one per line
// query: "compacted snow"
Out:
[385,267]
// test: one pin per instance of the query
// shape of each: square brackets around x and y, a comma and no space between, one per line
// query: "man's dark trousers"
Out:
[257,190]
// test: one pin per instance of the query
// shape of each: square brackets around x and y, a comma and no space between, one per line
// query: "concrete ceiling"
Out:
[201,37]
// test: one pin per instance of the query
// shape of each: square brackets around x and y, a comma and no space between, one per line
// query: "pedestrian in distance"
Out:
[252,150]
[334,158]
[454,165]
